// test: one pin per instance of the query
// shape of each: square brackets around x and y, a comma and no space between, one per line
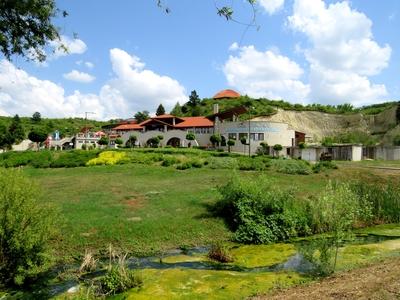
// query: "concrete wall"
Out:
[23,146]
[387,152]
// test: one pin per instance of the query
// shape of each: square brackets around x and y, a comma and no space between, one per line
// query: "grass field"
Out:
[146,209]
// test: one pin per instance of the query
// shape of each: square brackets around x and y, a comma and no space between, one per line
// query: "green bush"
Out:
[383,199]
[73,158]
[26,226]
[119,279]
[291,166]
[259,213]
[220,253]
[222,163]
[252,164]
[184,166]
[169,161]
[324,165]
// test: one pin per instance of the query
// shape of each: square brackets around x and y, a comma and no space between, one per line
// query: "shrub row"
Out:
[258,212]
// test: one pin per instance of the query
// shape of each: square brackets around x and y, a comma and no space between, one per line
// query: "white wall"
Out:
[356,153]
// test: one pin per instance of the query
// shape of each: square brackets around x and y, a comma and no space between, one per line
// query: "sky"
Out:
[128,56]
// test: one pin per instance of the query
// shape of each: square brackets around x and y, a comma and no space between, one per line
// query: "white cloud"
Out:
[75,75]
[142,88]
[343,52]
[74,46]
[265,74]
[271,6]
[89,64]
[24,94]
[132,89]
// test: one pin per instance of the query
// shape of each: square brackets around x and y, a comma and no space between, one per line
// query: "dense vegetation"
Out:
[66,126]
[259,212]
[26,227]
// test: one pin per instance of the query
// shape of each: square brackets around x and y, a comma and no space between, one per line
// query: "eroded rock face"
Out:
[318,125]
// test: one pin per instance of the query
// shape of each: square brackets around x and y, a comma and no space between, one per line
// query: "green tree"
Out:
[153,142]
[142,116]
[231,143]
[6,140]
[103,141]
[215,139]
[131,142]
[119,141]
[160,110]
[37,136]
[194,99]
[26,27]
[16,129]
[396,140]
[36,117]
[177,110]
[26,227]
[277,148]
[190,136]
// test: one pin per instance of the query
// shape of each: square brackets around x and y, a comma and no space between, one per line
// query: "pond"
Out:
[188,273]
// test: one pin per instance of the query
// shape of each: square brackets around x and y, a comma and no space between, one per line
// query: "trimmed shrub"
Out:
[26,226]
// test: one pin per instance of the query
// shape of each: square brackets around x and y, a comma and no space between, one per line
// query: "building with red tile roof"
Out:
[226,94]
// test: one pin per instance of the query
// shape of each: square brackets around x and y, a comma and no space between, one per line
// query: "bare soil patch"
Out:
[136,202]
[377,281]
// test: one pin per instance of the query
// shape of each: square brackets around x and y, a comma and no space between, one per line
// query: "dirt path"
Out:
[378,281]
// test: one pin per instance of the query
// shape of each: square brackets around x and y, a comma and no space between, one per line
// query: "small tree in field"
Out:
[230,143]
[37,136]
[215,139]
[277,148]
[153,142]
[131,142]
[191,136]
[26,227]
[103,141]
[119,142]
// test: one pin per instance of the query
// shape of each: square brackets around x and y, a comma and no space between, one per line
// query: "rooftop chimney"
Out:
[215,108]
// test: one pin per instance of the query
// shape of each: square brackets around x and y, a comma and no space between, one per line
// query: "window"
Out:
[260,136]
[232,136]
[242,135]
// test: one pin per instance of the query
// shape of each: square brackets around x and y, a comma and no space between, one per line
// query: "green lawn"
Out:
[147,209]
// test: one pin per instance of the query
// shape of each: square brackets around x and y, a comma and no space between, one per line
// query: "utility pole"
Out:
[86,127]
[250,108]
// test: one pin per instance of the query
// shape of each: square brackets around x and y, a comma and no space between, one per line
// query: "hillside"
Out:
[344,123]
[383,126]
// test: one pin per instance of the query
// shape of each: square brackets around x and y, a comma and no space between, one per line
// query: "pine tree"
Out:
[194,99]
[160,110]
[177,110]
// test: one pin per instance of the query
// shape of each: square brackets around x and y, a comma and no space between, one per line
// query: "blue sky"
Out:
[130,56]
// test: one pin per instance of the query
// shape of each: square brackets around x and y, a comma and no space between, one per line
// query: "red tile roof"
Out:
[164,116]
[226,94]
[194,122]
[127,127]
